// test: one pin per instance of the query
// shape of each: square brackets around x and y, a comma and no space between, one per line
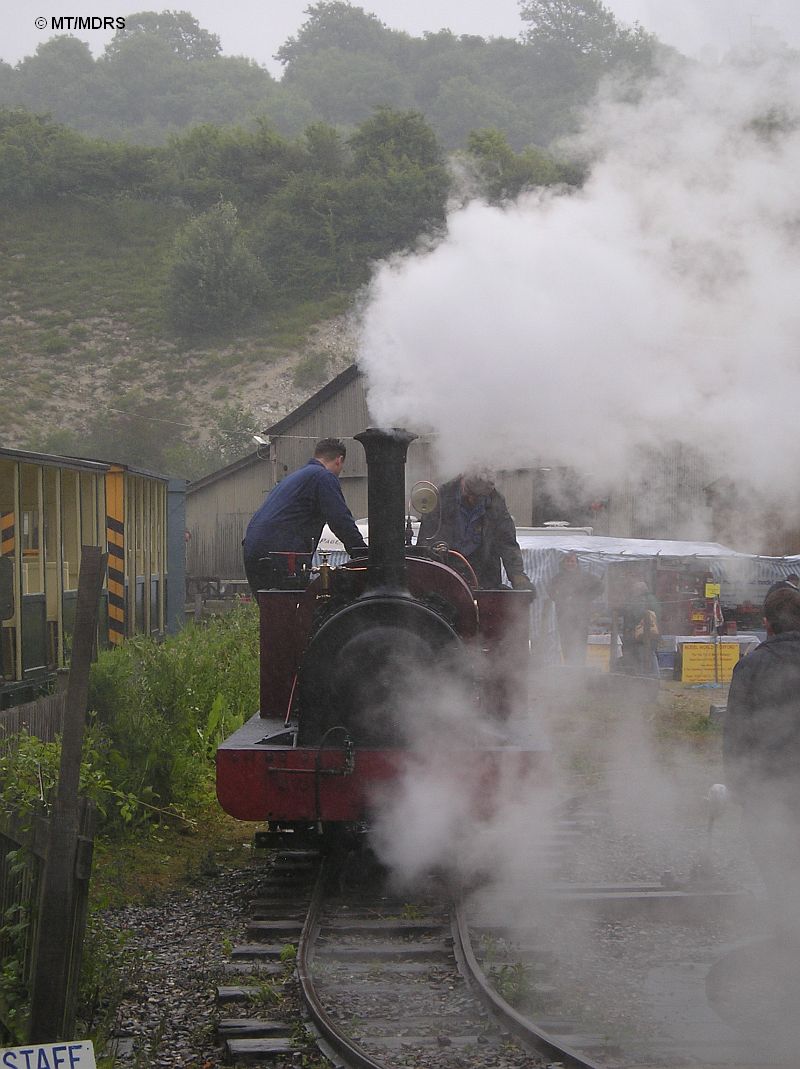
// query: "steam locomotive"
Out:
[355,661]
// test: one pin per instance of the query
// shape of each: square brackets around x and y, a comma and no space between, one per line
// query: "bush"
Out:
[161,708]
[214,279]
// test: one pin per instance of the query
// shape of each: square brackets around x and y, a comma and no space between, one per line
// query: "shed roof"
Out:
[330,389]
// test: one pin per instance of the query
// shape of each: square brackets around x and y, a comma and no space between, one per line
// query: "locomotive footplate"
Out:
[263,776]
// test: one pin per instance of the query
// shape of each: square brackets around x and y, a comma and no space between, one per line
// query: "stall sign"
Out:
[708,662]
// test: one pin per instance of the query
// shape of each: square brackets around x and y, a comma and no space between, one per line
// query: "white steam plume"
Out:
[656,304]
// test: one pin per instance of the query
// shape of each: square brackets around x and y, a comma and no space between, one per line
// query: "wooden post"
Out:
[50,996]
[613,639]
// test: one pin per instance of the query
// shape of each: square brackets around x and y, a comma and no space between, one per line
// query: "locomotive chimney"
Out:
[386,505]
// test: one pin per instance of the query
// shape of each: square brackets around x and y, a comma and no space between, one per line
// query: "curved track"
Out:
[389,983]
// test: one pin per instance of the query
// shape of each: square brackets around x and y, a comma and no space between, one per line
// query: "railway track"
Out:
[391,982]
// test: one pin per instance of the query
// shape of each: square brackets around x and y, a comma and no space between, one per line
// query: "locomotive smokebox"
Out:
[364,666]
[386,452]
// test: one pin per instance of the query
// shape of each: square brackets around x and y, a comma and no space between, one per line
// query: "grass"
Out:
[586,725]
[78,259]
[149,863]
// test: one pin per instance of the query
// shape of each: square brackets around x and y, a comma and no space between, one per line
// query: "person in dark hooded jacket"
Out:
[761,752]
[573,590]
[761,738]
[472,518]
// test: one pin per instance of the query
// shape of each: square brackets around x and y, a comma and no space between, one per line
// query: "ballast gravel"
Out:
[625,977]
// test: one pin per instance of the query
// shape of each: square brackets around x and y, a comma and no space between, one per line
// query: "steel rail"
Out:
[522,1027]
[351,1052]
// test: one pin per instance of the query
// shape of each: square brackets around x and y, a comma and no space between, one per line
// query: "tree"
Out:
[334,24]
[211,163]
[214,279]
[231,438]
[179,30]
[344,87]
[395,138]
[321,232]
[138,429]
[58,79]
[504,173]
[583,28]
[39,158]
[326,149]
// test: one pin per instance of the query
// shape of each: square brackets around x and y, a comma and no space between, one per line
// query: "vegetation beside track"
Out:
[157,711]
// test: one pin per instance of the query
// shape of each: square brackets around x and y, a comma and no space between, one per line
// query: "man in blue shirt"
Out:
[293,514]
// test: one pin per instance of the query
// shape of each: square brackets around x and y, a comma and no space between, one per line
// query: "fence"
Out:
[43,718]
[23,857]
[45,862]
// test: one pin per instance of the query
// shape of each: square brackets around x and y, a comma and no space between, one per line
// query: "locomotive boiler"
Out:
[354,662]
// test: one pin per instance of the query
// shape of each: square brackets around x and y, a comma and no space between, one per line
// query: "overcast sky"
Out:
[256,28]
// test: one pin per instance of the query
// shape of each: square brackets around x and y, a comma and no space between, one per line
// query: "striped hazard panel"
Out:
[7,534]
[115,535]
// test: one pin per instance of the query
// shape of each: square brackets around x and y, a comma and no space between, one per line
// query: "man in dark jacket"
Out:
[573,590]
[761,740]
[472,518]
[761,751]
[291,519]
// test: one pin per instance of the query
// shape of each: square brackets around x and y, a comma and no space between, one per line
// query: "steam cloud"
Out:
[656,304]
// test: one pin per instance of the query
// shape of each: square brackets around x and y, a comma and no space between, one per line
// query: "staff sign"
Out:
[48,1056]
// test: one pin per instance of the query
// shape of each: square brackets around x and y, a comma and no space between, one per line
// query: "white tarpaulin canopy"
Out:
[743,577]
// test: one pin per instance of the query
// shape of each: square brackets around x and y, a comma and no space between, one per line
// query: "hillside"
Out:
[181,278]
[85,346]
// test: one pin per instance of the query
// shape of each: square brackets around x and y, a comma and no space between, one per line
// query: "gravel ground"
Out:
[640,983]
[175,953]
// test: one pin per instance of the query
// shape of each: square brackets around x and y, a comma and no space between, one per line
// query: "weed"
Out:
[288,954]
[512,983]
[14,933]
[53,343]
[266,995]
[412,912]
[208,866]
[162,707]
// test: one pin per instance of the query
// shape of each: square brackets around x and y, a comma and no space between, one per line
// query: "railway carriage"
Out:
[355,659]
[50,506]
